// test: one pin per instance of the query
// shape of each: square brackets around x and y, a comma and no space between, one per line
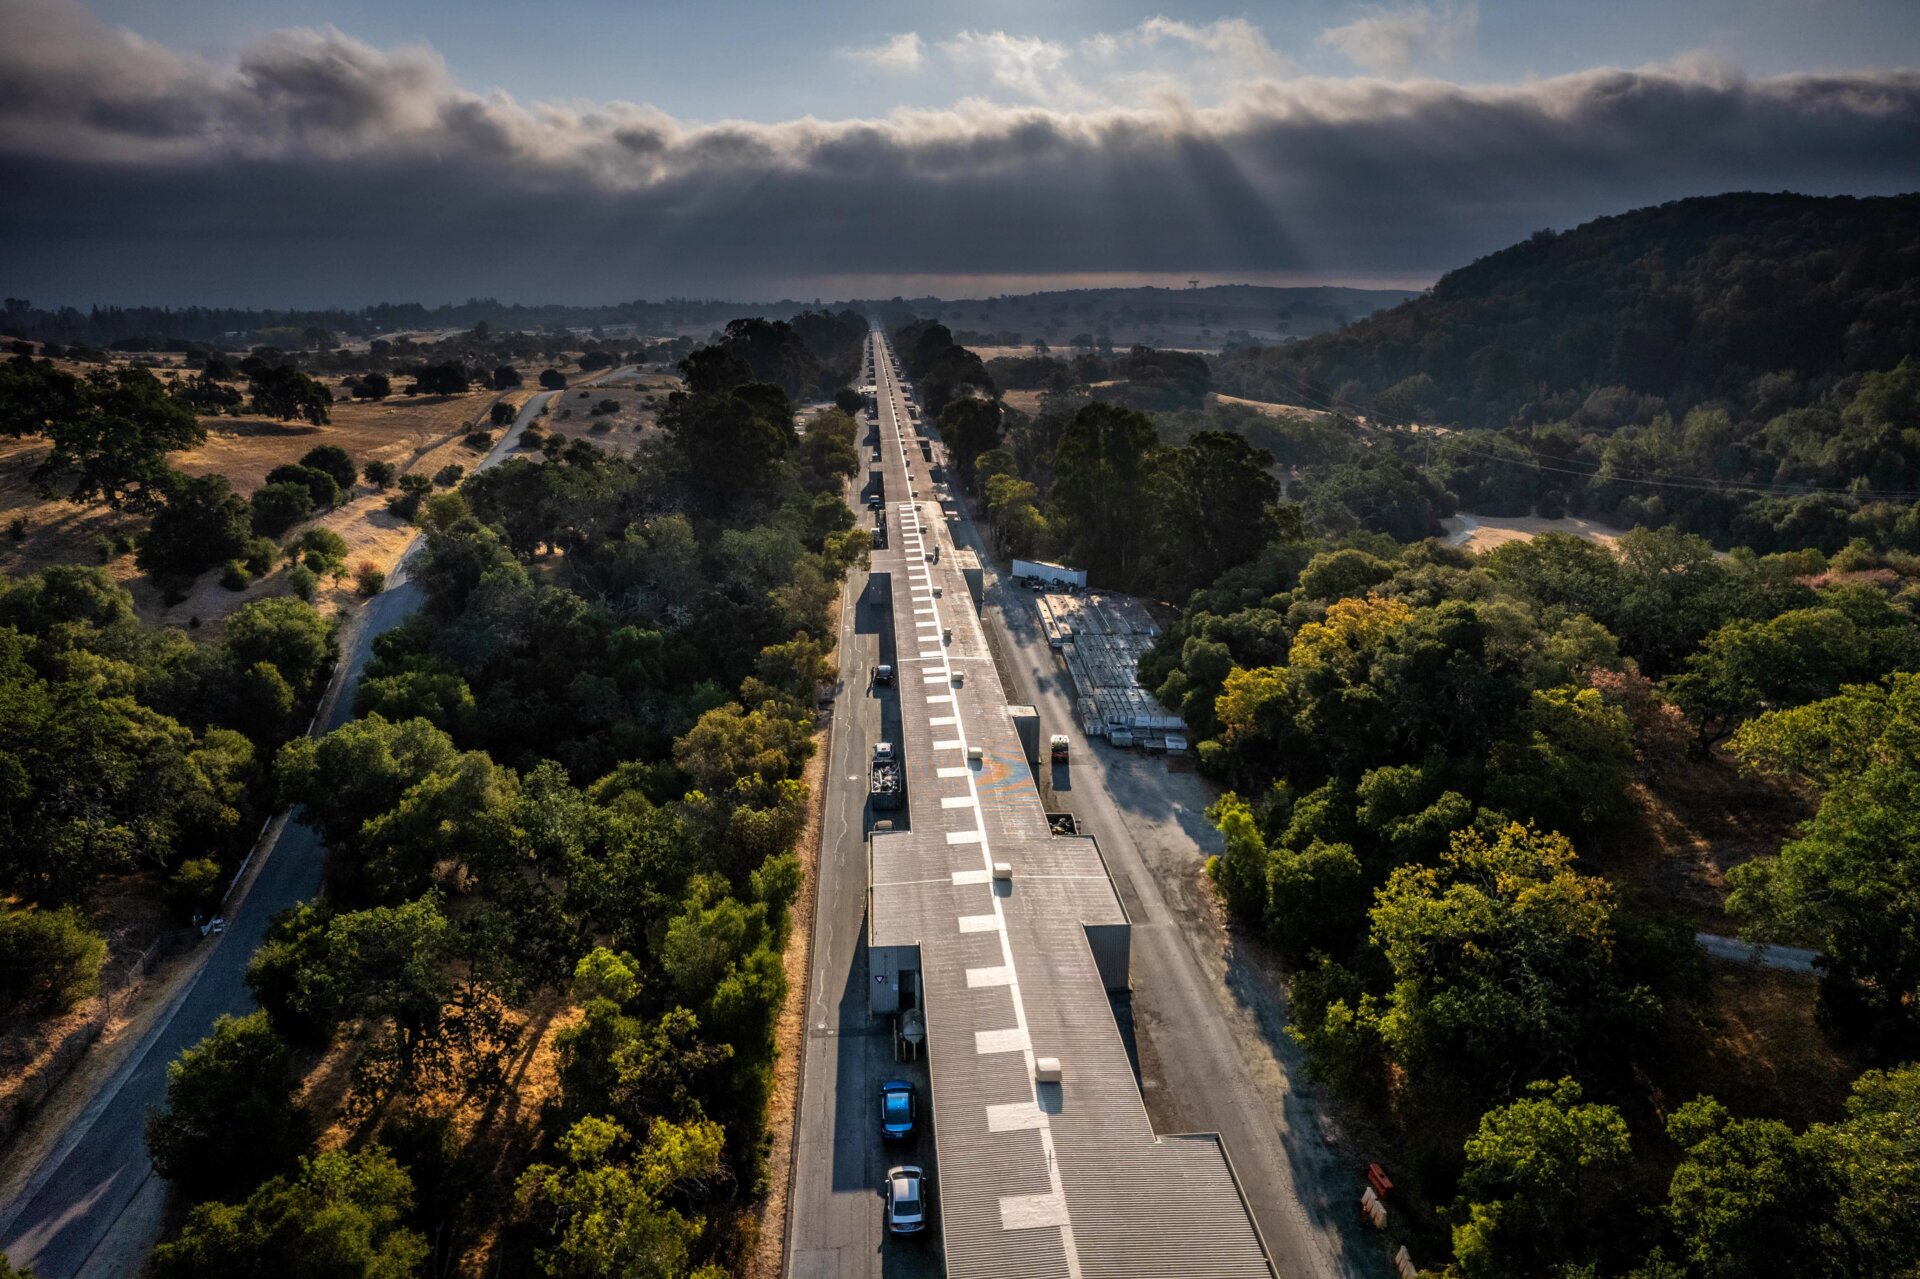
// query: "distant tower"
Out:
[1193,284]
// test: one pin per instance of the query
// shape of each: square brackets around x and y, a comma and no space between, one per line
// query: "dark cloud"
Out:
[316,168]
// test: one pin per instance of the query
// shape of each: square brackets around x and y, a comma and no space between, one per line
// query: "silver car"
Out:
[906,1200]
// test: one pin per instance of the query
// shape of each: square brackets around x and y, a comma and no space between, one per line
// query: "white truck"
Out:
[884,787]
[1050,574]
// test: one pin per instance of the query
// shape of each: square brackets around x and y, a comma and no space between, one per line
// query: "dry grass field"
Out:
[418,433]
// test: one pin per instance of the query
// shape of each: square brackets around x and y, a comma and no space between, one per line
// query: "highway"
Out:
[94,1206]
[834,1206]
[1212,1049]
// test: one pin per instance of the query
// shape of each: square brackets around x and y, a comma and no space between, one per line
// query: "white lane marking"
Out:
[941,699]
[1011,1040]
[918,611]
[957,801]
[955,772]
[942,721]
[1016,1116]
[963,837]
[998,975]
[947,744]
[979,923]
[962,878]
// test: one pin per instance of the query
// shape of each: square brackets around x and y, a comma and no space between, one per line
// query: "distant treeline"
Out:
[160,328]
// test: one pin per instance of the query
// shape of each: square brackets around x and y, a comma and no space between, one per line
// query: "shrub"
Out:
[380,474]
[319,484]
[50,960]
[333,460]
[303,580]
[373,386]
[501,414]
[204,523]
[532,438]
[261,552]
[17,528]
[237,576]
[278,507]
[478,439]
[369,578]
[196,887]
[449,475]
[103,549]
[322,549]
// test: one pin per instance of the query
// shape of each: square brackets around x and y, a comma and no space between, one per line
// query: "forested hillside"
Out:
[1736,366]
[1684,303]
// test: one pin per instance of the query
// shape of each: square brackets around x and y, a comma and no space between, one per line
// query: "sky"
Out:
[351,151]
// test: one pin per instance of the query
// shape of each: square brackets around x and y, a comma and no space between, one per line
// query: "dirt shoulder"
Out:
[770,1215]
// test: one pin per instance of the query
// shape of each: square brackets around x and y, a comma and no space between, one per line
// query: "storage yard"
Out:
[1101,637]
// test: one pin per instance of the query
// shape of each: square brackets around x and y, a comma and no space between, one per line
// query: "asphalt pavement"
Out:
[94,1204]
[834,1204]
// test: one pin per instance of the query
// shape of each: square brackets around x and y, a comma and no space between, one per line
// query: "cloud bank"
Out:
[316,168]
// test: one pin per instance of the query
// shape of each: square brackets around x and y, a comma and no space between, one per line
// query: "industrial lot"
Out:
[967,950]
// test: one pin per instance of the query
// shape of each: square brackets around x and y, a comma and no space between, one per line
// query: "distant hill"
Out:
[1735,297]
[1189,319]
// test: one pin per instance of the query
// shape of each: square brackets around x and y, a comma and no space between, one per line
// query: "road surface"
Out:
[834,1212]
[93,1206]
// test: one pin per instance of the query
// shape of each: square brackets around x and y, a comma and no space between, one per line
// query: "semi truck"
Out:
[884,788]
[1058,746]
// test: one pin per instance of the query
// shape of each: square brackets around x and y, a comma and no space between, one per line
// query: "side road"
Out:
[93,1206]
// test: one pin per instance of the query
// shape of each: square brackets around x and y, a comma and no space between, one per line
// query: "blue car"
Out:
[898,1104]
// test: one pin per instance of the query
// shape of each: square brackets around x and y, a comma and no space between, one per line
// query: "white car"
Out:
[906,1200]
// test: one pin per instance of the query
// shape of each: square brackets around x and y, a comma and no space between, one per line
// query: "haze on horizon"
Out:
[215,152]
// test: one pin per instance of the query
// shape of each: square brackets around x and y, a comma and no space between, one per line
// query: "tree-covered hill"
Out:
[1740,298]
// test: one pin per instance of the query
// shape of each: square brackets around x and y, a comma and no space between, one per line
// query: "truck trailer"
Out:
[1051,574]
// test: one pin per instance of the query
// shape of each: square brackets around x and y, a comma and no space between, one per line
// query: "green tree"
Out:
[1215,507]
[111,434]
[334,461]
[969,427]
[283,391]
[203,523]
[1849,883]
[342,1216]
[373,386]
[1541,1174]
[380,474]
[320,485]
[1746,1200]
[1503,962]
[1103,474]
[286,634]
[230,1120]
[611,1219]
[278,507]
[50,960]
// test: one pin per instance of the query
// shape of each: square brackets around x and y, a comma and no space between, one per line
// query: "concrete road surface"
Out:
[94,1206]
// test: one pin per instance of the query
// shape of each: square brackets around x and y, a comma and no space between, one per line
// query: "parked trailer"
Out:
[1058,574]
